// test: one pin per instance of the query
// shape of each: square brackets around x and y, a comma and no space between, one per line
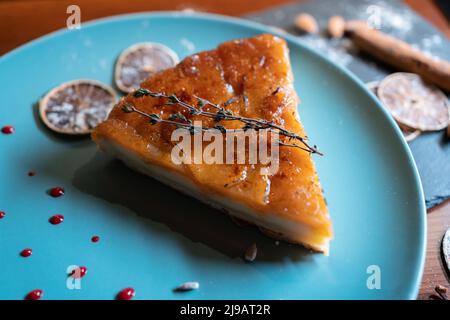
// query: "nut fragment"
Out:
[440,289]
[306,23]
[250,253]
[188,286]
[336,26]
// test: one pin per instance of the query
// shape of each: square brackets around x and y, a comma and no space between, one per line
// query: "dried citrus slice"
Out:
[408,133]
[446,248]
[76,107]
[414,103]
[138,62]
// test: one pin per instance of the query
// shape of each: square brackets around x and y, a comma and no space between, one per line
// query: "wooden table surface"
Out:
[24,20]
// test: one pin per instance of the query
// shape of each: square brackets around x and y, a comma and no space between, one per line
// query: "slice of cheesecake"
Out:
[255,74]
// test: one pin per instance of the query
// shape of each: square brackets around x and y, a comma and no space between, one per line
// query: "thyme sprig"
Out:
[222,114]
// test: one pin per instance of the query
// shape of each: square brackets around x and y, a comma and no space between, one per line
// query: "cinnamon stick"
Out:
[399,54]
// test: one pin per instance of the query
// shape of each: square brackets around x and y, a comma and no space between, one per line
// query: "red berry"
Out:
[26,252]
[31,173]
[56,192]
[56,219]
[126,294]
[79,272]
[8,129]
[95,239]
[34,295]
[2,214]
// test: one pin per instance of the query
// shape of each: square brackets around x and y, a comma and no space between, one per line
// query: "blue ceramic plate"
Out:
[153,238]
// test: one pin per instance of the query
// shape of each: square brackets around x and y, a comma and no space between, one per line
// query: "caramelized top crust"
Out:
[259,69]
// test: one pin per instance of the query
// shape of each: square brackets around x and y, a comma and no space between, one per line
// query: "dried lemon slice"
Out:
[446,248]
[138,62]
[76,107]
[414,103]
[408,133]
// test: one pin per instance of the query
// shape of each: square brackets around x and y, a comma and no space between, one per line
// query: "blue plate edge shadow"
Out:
[290,38]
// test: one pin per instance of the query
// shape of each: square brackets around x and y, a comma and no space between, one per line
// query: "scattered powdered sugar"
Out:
[145,24]
[428,45]
[383,16]
[429,42]
[279,14]
[103,63]
[399,23]
[87,42]
[74,56]
[340,53]
[188,45]
[67,116]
